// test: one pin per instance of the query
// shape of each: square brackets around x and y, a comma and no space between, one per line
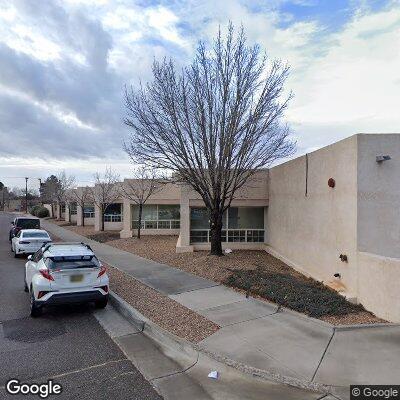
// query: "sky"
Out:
[64,64]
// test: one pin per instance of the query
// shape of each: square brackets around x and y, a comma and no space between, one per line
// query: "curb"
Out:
[169,341]
[150,329]
[365,326]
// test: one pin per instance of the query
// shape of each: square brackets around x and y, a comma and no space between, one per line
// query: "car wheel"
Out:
[16,255]
[101,303]
[36,310]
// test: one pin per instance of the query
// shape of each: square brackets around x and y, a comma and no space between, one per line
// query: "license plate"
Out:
[76,278]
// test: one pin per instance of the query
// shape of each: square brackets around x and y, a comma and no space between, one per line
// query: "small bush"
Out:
[35,209]
[303,295]
[42,212]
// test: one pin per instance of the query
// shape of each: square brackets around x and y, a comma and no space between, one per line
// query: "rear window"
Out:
[35,235]
[72,262]
[28,223]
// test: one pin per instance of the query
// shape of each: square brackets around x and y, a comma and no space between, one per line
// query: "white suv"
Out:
[64,273]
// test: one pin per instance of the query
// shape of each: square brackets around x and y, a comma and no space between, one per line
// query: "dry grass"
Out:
[164,311]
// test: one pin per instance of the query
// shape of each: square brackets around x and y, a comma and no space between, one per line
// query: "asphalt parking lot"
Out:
[66,344]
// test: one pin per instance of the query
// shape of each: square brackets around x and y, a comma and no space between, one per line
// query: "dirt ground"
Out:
[219,269]
[164,311]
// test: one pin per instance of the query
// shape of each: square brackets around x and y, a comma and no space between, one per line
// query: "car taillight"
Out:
[105,288]
[46,274]
[103,270]
[41,294]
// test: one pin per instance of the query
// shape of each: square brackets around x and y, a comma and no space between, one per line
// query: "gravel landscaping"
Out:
[256,272]
[162,310]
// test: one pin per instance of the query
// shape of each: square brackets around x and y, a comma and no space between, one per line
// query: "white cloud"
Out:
[356,82]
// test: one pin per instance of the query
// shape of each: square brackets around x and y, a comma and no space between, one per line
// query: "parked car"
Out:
[23,223]
[64,273]
[29,241]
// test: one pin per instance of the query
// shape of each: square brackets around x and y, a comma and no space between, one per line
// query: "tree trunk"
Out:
[215,232]
[102,219]
[83,217]
[140,220]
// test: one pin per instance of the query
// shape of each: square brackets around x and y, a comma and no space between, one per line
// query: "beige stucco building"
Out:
[332,214]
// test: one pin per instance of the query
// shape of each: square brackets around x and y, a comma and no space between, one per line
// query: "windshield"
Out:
[72,262]
[28,223]
[41,235]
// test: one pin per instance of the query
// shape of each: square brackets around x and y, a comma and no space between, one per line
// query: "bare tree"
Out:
[144,183]
[82,196]
[48,191]
[106,191]
[65,183]
[214,124]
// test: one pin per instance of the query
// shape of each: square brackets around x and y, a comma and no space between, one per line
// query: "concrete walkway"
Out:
[257,334]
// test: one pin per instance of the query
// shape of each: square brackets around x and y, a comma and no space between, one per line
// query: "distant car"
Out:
[23,223]
[29,241]
[64,273]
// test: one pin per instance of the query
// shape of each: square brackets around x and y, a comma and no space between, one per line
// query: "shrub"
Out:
[35,209]
[42,212]
[303,295]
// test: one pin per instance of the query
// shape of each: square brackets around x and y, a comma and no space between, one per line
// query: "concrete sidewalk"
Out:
[287,345]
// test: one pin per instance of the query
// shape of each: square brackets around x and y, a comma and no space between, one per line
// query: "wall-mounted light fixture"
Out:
[380,159]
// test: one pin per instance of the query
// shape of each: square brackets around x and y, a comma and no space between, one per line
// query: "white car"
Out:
[64,273]
[29,241]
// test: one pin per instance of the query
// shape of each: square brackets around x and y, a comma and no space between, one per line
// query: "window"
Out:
[157,216]
[41,235]
[63,207]
[246,218]
[28,223]
[171,212]
[113,213]
[72,262]
[88,211]
[72,208]
[240,224]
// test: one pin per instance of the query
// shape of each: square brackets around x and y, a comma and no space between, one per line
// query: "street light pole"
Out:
[26,195]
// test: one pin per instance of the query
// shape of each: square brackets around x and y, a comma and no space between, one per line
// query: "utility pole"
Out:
[26,195]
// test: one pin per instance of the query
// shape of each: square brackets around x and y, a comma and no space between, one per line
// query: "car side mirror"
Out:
[30,258]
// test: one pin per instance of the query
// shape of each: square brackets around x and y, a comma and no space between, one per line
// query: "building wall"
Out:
[379,195]
[360,218]
[310,231]
[379,225]
[378,285]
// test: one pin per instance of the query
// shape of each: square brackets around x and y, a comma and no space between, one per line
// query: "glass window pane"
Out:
[150,212]
[246,218]
[198,236]
[167,211]
[199,218]
[113,209]
[88,208]
[135,212]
